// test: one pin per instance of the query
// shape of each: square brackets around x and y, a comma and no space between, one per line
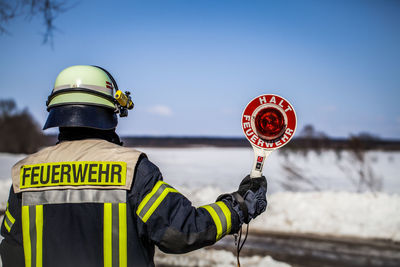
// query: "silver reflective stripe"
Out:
[73,196]
[87,86]
[221,216]
[153,199]
[61,87]
[8,222]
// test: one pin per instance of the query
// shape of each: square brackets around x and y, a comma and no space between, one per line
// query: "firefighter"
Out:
[89,201]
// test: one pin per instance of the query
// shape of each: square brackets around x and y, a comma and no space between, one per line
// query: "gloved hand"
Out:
[250,199]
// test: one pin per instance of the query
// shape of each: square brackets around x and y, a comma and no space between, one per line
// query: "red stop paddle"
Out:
[268,122]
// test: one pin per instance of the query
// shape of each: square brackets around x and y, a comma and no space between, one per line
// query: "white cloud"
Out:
[160,110]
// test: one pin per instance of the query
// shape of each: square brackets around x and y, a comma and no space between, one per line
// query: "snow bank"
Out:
[326,213]
[4,191]
[217,258]
[6,162]
[333,213]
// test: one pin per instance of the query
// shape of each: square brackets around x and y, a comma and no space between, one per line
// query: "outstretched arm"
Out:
[170,221]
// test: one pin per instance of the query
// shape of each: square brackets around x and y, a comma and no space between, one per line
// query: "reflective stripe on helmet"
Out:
[101,89]
[70,98]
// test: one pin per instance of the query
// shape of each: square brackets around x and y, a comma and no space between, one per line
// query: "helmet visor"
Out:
[81,116]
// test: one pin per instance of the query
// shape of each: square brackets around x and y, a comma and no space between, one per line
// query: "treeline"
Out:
[19,132]
[297,143]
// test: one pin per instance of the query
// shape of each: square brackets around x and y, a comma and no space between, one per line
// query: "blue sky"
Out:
[192,66]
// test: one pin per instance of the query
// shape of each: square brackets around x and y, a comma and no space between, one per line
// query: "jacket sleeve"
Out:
[169,220]
[11,247]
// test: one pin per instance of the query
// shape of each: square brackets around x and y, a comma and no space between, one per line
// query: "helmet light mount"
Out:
[123,102]
[268,122]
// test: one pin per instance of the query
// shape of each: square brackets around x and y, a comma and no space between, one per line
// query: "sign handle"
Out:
[260,156]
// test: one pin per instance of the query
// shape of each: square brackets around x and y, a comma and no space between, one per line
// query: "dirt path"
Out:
[314,250]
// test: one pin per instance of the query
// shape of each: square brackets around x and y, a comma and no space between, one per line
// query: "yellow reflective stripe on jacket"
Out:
[107,234]
[221,216]
[39,235]
[32,235]
[8,220]
[153,199]
[115,235]
[26,237]
[6,225]
[123,236]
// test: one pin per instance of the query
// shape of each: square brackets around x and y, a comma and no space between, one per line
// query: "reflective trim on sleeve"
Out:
[227,214]
[115,235]
[8,220]
[32,235]
[7,224]
[221,216]
[153,199]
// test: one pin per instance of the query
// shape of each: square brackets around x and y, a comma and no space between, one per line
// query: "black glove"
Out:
[250,200]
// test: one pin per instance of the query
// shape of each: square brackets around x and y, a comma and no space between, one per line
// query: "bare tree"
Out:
[295,180]
[48,9]
[309,132]
[312,139]
[358,168]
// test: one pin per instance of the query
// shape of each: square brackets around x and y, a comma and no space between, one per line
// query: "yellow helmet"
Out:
[83,97]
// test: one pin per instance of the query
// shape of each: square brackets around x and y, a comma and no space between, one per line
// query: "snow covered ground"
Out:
[330,191]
